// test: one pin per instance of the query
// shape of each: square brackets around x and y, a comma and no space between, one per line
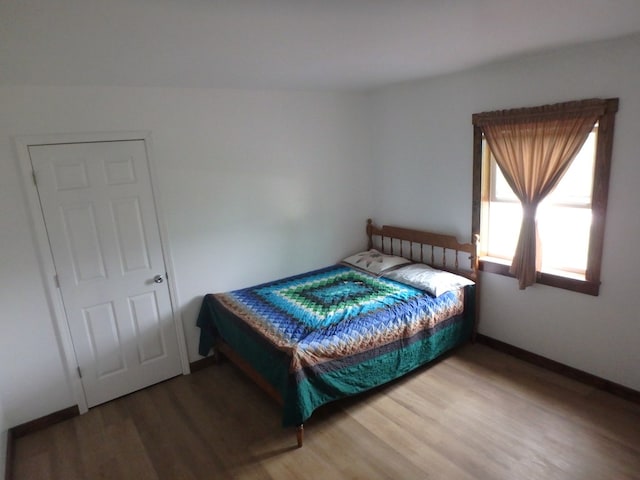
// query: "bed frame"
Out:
[435,249]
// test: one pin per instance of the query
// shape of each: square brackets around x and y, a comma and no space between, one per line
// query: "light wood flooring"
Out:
[477,414]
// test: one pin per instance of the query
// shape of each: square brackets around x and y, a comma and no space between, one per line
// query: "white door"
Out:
[101,222]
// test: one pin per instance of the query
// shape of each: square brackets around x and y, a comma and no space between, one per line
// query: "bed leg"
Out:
[300,434]
[217,355]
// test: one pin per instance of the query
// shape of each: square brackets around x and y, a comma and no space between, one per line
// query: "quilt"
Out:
[333,332]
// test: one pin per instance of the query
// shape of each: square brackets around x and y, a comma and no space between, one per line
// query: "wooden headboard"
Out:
[436,249]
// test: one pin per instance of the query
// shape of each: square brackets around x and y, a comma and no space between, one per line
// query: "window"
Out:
[570,219]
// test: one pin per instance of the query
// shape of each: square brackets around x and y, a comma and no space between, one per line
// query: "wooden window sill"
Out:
[544,278]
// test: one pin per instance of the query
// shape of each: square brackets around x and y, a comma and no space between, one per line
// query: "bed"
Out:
[314,338]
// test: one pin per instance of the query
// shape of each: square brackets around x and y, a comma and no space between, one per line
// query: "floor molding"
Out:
[8,465]
[44,422]
[565,370]
[33,426]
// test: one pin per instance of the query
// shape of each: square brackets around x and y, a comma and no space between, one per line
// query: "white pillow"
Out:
[375,262]
[424,277]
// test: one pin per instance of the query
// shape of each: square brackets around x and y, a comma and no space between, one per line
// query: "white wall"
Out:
[254,185]
[423,162]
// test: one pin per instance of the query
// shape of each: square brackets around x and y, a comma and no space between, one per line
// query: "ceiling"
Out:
[288,44]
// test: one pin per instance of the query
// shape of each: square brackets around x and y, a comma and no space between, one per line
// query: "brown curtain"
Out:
[533,154]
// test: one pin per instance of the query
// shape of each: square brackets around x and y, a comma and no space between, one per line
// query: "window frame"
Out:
[599,194]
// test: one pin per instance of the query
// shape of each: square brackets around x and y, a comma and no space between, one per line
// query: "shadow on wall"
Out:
[189,315]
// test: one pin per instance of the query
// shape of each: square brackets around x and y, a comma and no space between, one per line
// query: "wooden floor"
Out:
[478,414]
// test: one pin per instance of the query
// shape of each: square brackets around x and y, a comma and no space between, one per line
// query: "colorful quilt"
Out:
[333,332]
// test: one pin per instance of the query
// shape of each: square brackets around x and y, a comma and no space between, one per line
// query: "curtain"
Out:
[533,154]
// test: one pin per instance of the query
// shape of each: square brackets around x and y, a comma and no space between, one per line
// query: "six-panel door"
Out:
[102,226]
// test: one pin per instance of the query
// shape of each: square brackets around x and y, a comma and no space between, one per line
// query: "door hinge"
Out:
[79,372]
[33,175]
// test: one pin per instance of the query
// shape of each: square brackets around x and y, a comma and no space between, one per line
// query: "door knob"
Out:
[158,279]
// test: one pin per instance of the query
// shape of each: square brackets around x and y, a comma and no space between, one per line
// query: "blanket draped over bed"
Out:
[333,332]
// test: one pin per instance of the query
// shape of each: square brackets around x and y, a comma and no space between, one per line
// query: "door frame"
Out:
[45,256]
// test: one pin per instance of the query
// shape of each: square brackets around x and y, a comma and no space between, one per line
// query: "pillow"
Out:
[375,262]
[424,277]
